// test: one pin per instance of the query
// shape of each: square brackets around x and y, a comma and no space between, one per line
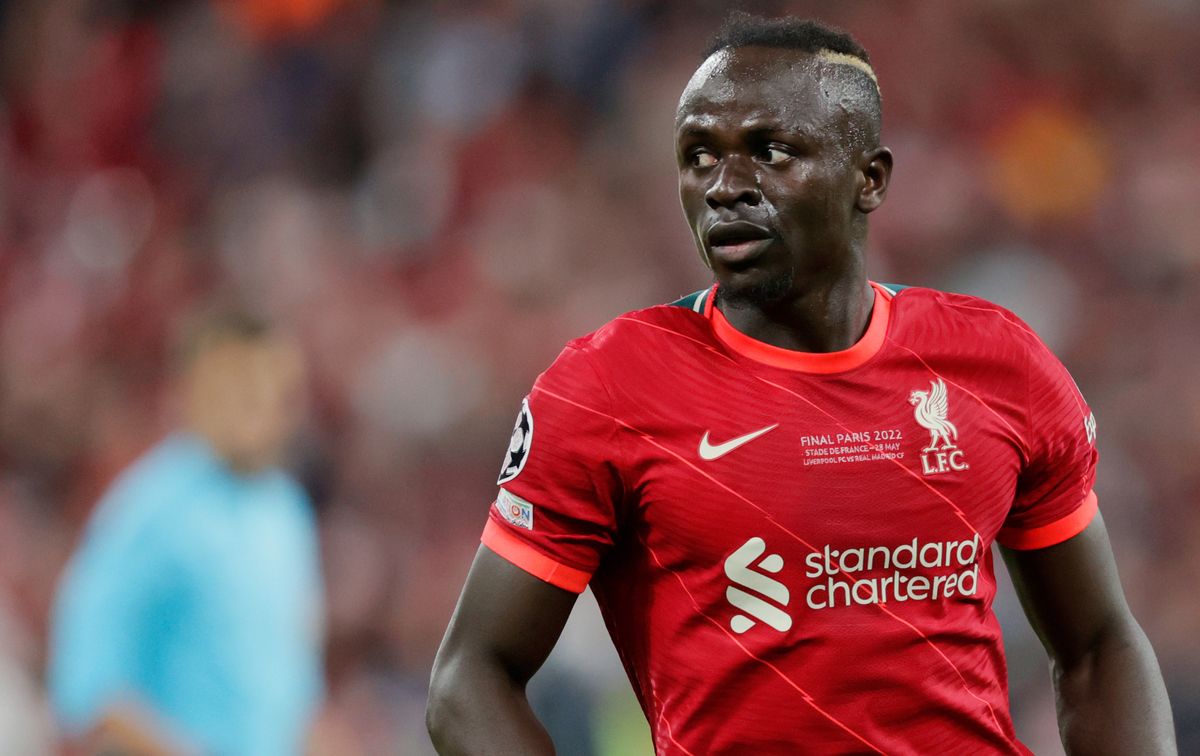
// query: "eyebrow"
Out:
[693,131]
[762,129]
[755,128]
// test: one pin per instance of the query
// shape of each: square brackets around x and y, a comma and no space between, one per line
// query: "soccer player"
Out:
[784,490]
[188,619]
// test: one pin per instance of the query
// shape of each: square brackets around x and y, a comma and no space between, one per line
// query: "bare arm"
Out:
[1110,692]
[130,730]
[503,628]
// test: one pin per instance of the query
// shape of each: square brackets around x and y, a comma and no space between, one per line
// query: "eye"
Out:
[774,155]
[702,159]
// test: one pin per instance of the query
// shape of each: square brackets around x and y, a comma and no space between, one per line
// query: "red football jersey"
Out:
[792,551]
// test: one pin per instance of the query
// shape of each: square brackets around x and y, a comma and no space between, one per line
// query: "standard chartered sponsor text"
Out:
[911,571]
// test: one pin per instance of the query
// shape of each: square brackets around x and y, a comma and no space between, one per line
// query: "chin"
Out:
[740,290]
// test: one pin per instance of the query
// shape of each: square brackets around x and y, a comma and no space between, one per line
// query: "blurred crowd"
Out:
[435,196]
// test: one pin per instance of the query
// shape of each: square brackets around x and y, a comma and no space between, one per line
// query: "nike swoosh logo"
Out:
[715,451]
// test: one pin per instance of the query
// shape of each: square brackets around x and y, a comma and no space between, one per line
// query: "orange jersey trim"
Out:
[1053,533]
[521,554]
[808,362]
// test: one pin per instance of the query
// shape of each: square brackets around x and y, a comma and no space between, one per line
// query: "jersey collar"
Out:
[806,362]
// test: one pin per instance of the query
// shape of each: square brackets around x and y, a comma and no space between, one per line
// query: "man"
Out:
[187,621]
[784,490]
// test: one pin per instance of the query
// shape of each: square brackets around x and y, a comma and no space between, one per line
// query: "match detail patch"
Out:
[518,445]
[515,509]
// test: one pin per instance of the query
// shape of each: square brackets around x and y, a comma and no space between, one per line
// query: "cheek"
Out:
[812,198]
[800,203]
[691,198]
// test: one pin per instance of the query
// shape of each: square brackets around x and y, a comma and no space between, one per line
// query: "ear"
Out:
[875,173]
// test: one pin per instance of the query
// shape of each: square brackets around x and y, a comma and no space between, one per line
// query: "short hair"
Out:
[741,29]
[218,326]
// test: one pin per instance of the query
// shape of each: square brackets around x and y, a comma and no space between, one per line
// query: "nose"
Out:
[734,181]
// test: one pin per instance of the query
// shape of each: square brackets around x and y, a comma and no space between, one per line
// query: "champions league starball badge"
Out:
[518,445]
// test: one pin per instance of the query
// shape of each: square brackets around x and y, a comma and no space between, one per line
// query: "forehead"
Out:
[272,354]
[789,85]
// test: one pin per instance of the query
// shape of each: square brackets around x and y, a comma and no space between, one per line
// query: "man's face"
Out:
[245,397]
[769,148]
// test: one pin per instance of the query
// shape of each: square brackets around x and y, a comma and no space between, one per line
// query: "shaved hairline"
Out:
[845,59]
[824,55]
[846,67]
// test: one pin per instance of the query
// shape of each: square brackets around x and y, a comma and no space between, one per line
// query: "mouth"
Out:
[737,243]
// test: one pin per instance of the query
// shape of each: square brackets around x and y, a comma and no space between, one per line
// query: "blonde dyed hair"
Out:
[845,59]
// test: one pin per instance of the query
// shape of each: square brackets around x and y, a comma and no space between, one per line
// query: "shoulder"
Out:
[153,491]
[947,302]
[142,517]
[170,464]
[610,356]
[681,320]
[293,497]
[291,489]
[948,314]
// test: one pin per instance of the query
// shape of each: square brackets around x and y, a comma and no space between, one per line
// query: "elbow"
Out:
[1119,636]
[445,704]
[438,707]
[438,716]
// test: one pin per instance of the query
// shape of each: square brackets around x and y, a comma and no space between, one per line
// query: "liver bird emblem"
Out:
[931,409]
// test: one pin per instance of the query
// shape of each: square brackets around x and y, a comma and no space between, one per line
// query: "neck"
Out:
[224,449]
[823,316]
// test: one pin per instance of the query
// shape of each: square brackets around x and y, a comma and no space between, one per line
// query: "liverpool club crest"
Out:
[932,408]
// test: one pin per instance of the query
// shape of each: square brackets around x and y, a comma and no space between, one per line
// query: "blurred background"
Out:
[435,196]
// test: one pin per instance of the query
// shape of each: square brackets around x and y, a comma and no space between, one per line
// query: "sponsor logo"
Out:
[515,509]
[752,605]
[879,574]
[1089,427]
[710,451]
[931,409]
[915,570]
[518,445]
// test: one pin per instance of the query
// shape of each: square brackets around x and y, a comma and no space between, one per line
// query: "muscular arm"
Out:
[503,628]
[1110,692]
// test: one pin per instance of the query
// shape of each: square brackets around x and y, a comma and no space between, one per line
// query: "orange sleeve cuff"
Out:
[1054,532]
[521,554]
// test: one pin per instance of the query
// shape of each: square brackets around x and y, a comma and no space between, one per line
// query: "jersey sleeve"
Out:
[1054,499]
[555,515]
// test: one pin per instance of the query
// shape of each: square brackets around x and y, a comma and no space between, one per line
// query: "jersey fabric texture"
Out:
[195,597]
[792,551]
